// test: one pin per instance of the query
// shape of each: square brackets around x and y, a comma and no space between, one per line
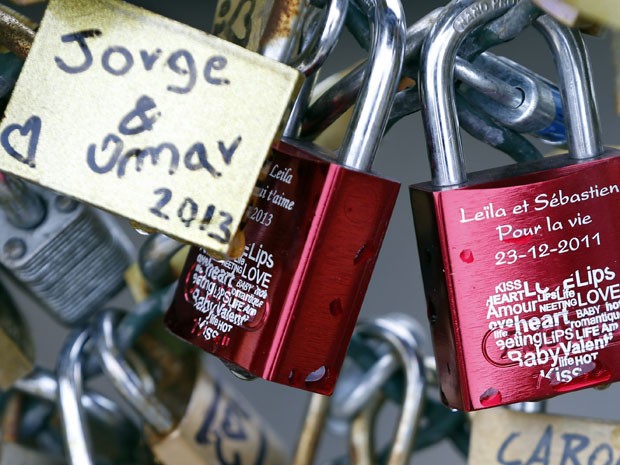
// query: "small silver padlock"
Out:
[189,417]
[67,255]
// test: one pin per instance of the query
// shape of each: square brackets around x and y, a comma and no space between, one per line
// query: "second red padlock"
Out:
[520,266]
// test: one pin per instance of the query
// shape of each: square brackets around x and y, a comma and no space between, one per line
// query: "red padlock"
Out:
[520,264]
[286,309]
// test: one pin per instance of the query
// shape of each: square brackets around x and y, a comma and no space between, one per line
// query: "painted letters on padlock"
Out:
[218,427]
[285,309]
[548,288]
[231,307]
[519,265]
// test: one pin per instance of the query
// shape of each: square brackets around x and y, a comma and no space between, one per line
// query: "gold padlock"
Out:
[167,126]
[242,22]
[190,417]
[16,344]
[271,27]
[504,436]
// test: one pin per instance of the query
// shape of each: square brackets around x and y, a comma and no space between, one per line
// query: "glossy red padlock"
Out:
[286,309]
[520,264]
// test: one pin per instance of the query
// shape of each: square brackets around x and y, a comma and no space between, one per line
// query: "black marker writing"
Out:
[125,55]
[31,128]
[118,60]
[189,70]
[139,115]
[195,158]
[79,37]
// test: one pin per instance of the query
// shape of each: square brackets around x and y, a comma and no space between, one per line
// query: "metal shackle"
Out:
[322,42]
[350,398]
[154,259]
[70,391]
[16,32]
[127,382]
[374,101]
[341,92]
[437,91]
[538,110]
[402,339]
[75,405]
[576,88]
[43,384]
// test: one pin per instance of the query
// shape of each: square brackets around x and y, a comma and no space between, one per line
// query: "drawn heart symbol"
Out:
[31,129]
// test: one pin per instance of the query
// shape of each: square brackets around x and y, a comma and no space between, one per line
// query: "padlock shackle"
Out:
[350,400]
[577,90]
[437,89]
[376,96]
[125,379]
[15,33]
[154,260]
[311,430]
[312,57]
[401,335]
[76,433]
[282,29]
[438,94]
[42,384]
[324,40]
[340,95]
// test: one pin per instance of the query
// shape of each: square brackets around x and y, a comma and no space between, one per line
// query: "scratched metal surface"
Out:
[396,284]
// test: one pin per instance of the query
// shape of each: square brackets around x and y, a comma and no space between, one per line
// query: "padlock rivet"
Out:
[65,204]
[14,248]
